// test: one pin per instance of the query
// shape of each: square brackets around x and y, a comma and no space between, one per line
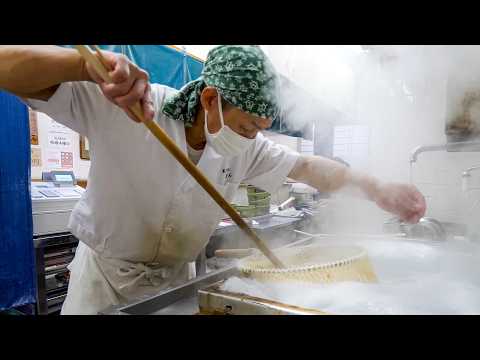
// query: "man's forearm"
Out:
[330,176]
[28,70]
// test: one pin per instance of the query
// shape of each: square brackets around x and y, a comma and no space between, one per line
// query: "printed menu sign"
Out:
[60,141]
[36,157]
[33,118]
[66,160]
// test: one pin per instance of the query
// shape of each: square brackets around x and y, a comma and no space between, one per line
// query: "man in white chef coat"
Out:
[142,218]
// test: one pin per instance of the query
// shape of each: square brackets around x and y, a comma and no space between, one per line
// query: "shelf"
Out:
[58,261]
[55,272]
[59,289]
[55,308]
[56,299]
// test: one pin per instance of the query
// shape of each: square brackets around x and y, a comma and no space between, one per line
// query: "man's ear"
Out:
[208,98]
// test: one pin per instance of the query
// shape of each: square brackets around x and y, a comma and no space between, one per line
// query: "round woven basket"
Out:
[313,263]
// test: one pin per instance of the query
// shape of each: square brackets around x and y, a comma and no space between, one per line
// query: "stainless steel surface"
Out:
[214,301]
[353,236]
[467,172]
[466,177]
[181,299]
[425,148]
[427,228]
[261,223]
[168,297]
[286,203]
[275,230]
[201,264]
[454,146]
[52,255]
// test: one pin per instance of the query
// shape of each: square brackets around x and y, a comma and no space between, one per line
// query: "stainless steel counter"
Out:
[181,300]
[176,301]
[261,223]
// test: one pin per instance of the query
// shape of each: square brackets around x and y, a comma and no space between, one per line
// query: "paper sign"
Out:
[32,115]
[56,127]
[54,160]
[60,141]
[36,156]
[66,160]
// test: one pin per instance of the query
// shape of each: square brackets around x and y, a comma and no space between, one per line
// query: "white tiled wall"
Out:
[438,176]
[398,125]
[351,143]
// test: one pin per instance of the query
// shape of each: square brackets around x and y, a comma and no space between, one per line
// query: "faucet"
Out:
[466,175]
[425,148]
[438,147]
[426,228]
[469,170]
[454,146]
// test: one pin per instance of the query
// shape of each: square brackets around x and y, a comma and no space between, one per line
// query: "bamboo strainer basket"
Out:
[312,263]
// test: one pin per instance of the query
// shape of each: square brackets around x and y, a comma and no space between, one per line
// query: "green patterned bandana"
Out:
[243,76]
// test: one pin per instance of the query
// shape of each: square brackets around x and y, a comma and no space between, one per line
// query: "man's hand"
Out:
[130,85]
[326,175]
[402,200]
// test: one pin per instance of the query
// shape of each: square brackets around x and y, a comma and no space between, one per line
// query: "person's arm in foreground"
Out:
[327,175]
[36,71]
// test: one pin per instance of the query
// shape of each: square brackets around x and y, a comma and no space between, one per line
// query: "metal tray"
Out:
[213,301]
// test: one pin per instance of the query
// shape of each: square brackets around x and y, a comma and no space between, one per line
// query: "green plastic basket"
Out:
[246,211]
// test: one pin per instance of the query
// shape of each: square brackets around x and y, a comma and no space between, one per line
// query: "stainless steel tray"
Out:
[165,299]
[213,301]
[187,294]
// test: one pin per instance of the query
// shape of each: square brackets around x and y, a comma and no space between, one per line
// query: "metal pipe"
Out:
[426,148]
[467,172]
[438,147]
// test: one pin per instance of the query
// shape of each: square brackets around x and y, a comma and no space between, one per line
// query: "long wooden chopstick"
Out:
[99,64]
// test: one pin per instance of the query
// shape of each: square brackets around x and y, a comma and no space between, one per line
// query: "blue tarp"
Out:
[17,270]
[165,65]
[174,68]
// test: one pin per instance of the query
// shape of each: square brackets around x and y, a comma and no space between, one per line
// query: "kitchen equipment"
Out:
[247,211]
[53,200]
[395,258]
[313,263]
[467,177]
[167,298]
[284,205]
[304,195]
[212,300]
[273,228]
[234,253]
[259,199]
[100,65]
[426,228]
[184,299]
[53,253]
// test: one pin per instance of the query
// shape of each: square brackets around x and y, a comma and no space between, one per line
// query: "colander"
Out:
[312,263]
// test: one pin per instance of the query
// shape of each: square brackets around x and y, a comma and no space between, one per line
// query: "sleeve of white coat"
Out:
[271,164]
[77,105]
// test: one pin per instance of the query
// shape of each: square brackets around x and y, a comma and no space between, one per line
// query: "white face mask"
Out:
[226,142]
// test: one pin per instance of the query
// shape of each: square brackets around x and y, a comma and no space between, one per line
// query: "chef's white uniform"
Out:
[143,218]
